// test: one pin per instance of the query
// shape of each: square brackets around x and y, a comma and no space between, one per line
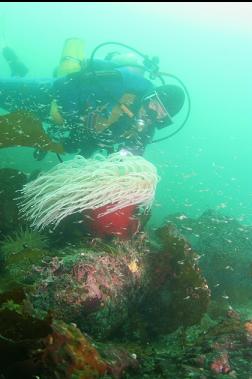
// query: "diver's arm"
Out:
[124,97]
[133,87]
[97,101]
[94,97]
[114,113]
[99,90]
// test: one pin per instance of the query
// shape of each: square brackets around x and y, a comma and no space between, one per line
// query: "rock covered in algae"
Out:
[11,181]
[92,288]
[32,346]
[20,251]
[178,293]
[225,249]
[125,288]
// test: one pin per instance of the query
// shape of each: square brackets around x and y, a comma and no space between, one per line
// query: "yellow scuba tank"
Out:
[71,61]
[72,57]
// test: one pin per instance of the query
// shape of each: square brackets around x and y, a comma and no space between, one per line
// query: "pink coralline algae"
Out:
[87,283]
[221,364]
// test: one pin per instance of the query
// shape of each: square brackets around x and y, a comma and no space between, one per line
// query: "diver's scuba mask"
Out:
[156,110]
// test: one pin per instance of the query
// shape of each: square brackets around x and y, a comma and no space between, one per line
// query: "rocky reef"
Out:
[164,304]
[116,290]
[11,181]
[224,246]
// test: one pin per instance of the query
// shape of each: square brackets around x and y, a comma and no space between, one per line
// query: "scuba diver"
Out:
[94,104]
